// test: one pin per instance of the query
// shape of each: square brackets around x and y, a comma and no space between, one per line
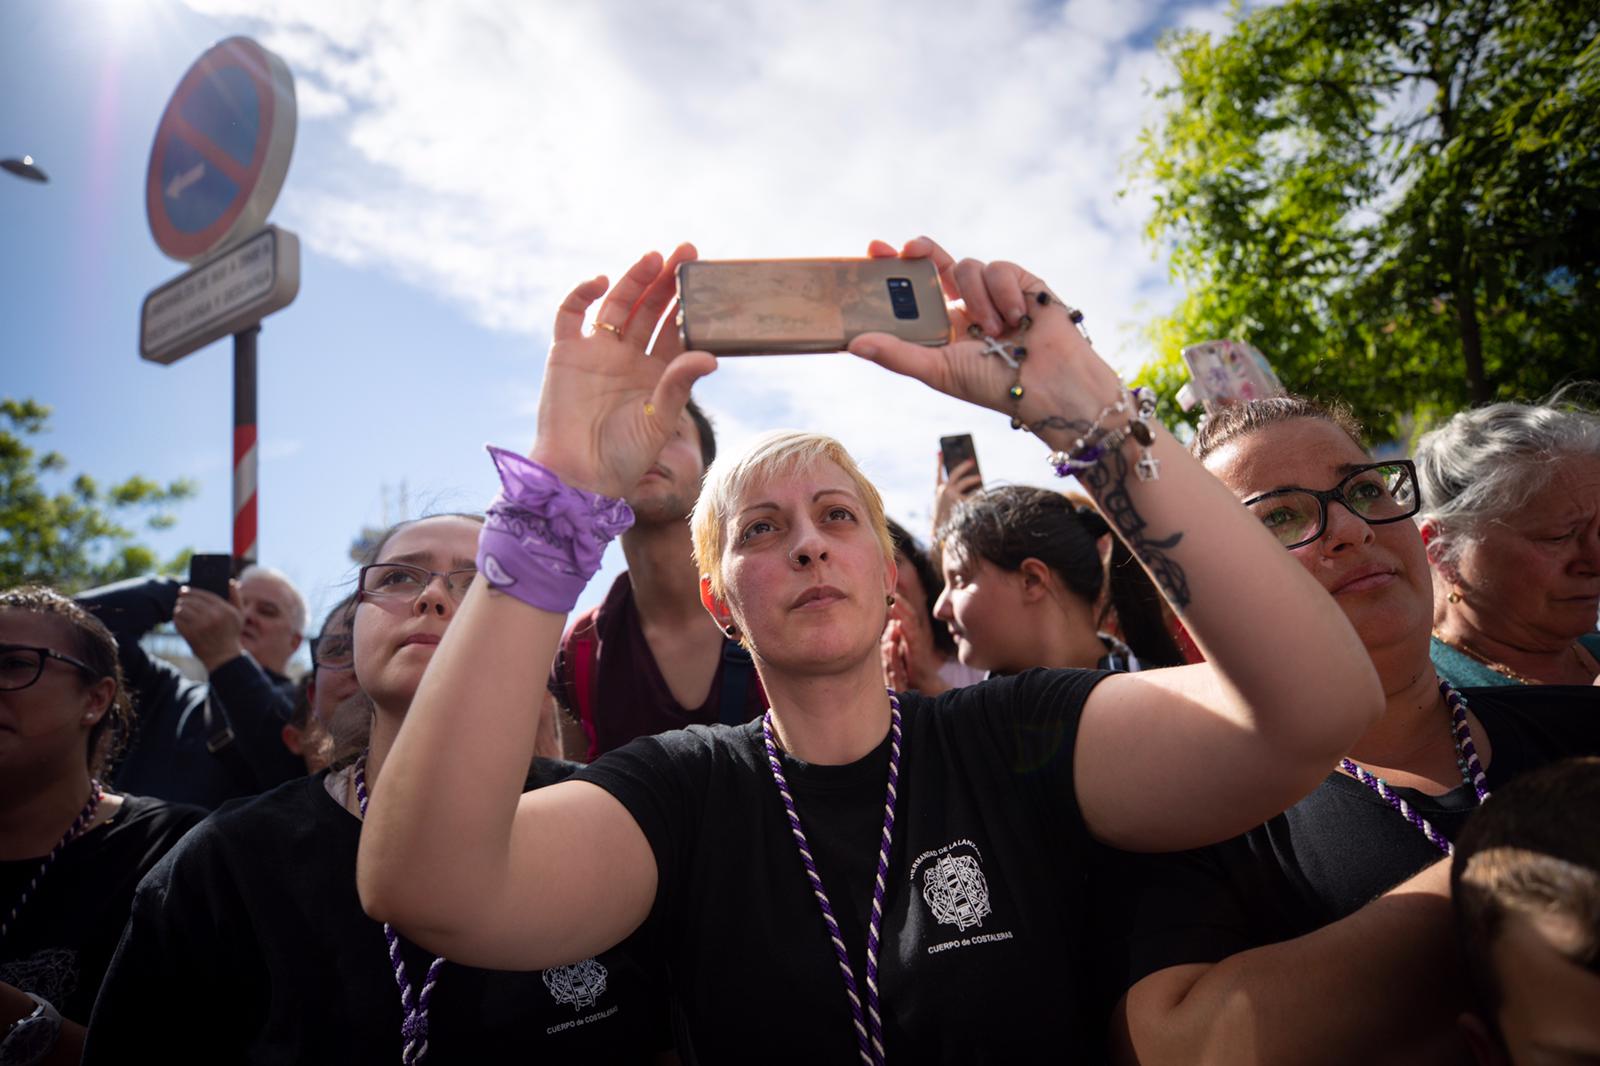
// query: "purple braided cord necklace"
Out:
[1466,759]
[414,1026]
[79,824]
[869,1031]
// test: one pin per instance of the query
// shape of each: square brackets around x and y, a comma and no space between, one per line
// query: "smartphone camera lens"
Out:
[903,298]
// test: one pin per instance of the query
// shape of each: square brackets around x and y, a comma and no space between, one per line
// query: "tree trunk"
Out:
[1466,302]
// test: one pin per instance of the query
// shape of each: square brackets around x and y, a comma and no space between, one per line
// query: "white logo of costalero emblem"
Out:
[956,891]
[579,984]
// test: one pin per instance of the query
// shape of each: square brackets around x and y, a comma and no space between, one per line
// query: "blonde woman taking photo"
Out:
[857,875]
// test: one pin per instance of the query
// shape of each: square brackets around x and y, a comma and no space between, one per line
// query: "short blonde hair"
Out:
[776,454]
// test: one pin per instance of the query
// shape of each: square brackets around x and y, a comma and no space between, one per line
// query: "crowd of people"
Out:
[1267,749]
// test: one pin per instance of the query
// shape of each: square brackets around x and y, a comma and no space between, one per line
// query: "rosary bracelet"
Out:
[1096,442]
[1088,450]
[1013,353]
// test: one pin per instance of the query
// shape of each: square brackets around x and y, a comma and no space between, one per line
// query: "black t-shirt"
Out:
[1334,851]
[248,944]
[61,940]
[984,927]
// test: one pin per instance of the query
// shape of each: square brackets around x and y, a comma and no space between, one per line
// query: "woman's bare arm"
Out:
[449,853]
[1390,968]
[1170,758]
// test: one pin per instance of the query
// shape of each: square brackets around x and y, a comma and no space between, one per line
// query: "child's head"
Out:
[1526,884]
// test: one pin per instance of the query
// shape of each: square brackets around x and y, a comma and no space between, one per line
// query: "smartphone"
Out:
[1226,371]
[211,572]
[957,450]
[788,306]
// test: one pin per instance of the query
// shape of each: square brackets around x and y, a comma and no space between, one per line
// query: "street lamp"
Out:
[25,168]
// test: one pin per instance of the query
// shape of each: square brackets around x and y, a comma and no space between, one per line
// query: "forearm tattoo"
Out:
[1064,425]
[1108,482]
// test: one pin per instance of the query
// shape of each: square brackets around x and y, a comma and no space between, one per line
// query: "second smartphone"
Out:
[789,306]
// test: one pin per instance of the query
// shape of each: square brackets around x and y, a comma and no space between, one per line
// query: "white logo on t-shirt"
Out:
[579,984]
[956,891]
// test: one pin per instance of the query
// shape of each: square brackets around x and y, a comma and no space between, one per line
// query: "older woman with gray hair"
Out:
[1511,519]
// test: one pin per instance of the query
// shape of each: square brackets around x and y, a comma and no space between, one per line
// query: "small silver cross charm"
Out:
[1148,468]
[1000,348]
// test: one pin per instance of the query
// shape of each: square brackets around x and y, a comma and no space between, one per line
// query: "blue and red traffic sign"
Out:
[221,150]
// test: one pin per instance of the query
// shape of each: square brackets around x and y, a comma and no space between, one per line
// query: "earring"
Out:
[731,631]
[888,601]
[1454,597]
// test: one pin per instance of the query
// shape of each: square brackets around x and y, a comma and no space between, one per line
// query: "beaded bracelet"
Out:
[1096,443]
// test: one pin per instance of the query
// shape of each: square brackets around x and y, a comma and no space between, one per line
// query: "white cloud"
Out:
[312,101]
[497,151]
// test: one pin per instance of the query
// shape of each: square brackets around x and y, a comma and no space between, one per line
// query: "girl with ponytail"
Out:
[1024,577]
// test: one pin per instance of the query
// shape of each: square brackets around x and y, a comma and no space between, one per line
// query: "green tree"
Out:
[76,538]
[1397,201]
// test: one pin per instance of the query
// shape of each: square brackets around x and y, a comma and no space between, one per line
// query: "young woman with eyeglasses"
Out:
[1325,934]
[252,931]
[858,875]
[71,851]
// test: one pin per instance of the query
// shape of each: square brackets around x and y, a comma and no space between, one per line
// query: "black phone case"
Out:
[211,572]
[956,450]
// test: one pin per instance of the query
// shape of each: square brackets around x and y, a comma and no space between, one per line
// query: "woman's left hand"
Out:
[1065,384]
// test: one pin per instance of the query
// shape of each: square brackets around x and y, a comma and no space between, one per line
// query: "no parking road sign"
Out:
[221,151]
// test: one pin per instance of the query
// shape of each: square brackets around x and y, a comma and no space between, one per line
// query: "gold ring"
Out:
[608,327]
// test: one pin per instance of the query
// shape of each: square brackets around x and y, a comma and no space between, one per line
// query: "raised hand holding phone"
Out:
[211,623]
[1067,382]
[950,485]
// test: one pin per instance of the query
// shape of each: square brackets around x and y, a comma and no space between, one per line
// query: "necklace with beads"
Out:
[1466,760]
[1502,668]
[79,825]
[868,1026]
[414,1005]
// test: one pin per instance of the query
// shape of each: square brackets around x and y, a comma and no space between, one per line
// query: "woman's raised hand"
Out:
[606,408]
[1064,382]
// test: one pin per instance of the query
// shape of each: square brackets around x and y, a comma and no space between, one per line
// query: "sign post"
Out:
[219,159]
[244,442]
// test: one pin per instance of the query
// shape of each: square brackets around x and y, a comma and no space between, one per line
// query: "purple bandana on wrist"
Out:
[543,539]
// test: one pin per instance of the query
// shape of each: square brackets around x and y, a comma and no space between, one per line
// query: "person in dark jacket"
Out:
[204,742]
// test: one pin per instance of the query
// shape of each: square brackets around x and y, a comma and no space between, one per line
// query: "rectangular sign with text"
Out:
[232,292]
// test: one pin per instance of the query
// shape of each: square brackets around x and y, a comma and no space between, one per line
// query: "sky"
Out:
[458,167]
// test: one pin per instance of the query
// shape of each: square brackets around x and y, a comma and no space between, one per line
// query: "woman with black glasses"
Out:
[71,851]
[1326,932]
[249,939]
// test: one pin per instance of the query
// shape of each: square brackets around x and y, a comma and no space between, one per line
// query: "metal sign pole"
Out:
[244,446]
[218,161]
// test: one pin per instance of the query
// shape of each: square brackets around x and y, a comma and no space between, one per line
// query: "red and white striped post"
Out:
[245,452]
